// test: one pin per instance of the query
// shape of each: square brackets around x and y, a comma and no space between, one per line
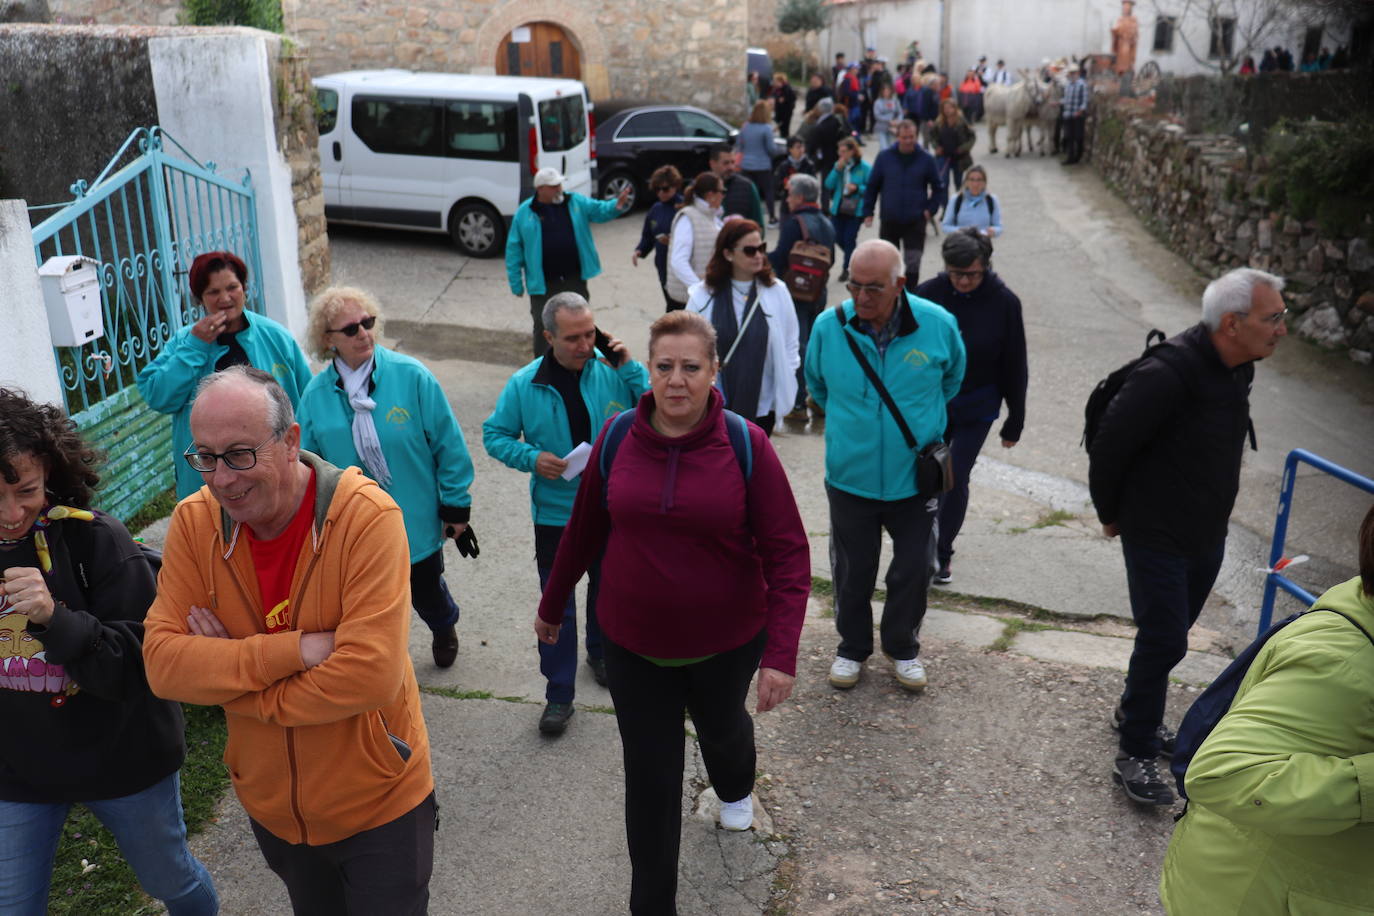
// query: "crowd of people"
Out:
[315,508]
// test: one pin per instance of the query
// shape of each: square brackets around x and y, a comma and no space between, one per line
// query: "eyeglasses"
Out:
[873,289]
[751,250]
[349,330]
[964,274]
[238,459]
[1275,319]
[665,188]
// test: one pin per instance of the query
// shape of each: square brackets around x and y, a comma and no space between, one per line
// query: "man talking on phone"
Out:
[545,421]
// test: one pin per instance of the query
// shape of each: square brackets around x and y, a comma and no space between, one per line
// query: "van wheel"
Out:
[477,230]
[612,184]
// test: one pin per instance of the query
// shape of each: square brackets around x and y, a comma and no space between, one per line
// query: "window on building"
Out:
[482,130]
[1164,34]
[1223,38]
[408,127]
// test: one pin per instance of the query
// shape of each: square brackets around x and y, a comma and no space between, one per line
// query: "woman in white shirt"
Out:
[755,322]
[692,237]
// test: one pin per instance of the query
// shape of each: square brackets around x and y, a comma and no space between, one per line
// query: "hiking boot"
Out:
[598,666]
[1139,778]
[942,577]
[445,647]
[844,672]
[554,721]
[1168,739]
[797,415]
[737,815]
[844,275]
[911,674]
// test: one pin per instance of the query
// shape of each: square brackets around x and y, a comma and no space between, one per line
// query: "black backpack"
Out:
[1213,703]
[959,204]
[1106,389]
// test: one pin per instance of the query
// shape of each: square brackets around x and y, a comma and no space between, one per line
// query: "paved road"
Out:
[531,825]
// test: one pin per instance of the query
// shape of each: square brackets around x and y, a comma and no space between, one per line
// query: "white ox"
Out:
[1013,105]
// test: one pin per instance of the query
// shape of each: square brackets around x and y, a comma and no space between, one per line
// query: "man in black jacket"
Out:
[1164,471]
[741,196]
[822,145]
[803,203]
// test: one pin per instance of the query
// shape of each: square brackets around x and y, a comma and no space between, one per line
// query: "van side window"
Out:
[562,122]
[408,127]
[482,130]
[326,109]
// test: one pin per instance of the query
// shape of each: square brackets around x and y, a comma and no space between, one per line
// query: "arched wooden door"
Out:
[549,52]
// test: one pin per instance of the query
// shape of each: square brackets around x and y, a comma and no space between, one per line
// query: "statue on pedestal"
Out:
[1125,35]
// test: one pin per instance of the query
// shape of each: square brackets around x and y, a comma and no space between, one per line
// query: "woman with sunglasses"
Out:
[226,335]
[989,316]
[385,413]
[666,183]
[755,322]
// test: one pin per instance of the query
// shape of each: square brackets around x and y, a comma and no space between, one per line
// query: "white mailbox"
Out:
[71,292]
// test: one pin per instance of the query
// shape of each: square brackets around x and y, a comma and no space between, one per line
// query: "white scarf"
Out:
[364,430]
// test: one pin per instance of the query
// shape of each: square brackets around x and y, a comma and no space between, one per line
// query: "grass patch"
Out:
[1048,520]
[1012,627]
[604,710]
[159,507]
[111,887]
[455,694]
[823,587]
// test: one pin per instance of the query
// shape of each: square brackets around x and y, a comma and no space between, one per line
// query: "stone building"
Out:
[689,53]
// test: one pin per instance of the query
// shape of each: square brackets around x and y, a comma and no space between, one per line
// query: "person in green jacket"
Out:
[227,335]
[914,347]
[550,405]
[1280,815]
[549,249]
[385,413]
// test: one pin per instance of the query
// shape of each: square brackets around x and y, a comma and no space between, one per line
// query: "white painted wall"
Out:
[26,357]
[214,95]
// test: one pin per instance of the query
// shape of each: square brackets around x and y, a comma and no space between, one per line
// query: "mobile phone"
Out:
[603,343]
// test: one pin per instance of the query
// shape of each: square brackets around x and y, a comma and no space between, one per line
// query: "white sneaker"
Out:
[844,672]
[911,674]
[737,815]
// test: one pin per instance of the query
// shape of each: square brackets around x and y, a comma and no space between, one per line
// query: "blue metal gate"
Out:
[144,223]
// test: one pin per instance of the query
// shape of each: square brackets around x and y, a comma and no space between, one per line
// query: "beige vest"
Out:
[704,233]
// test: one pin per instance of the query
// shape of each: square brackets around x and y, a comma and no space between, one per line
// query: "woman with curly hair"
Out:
[74,592]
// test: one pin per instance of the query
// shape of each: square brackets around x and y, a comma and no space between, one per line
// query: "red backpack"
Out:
[808,267]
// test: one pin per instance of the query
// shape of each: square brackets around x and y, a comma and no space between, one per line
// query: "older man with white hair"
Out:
[1164,470]
[882,366]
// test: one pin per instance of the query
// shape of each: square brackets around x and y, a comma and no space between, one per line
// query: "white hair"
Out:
[889,250]
[1233,292]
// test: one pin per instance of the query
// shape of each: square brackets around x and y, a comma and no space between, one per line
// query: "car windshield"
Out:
[562,123]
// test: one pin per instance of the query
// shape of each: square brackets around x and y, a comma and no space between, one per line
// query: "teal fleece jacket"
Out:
[865,453]
[168,383]
[431,470]
[531,408]
[525,244]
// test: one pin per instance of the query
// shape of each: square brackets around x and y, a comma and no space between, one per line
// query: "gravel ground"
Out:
[989,793]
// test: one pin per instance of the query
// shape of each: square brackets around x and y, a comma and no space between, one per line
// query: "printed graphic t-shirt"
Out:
[274,561]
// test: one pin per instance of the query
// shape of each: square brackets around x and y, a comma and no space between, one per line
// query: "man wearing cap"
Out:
[550,250]
[1074,111]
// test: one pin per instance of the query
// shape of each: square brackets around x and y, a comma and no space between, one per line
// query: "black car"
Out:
[635,138]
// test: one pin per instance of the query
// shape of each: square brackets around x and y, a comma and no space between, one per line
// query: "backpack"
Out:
[1106,389]
[619,427]
[992,217]
[808,267]
[1208,709]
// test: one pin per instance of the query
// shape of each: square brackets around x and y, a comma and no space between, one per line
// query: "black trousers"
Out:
[856,537]
[649,702]
[1167,594]
[383,871]
[965,442]
[910,237]
[1073,138]
[552,288]
[763,180]
[429,593]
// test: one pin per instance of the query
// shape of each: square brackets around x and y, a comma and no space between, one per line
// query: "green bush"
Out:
[1324,171]
[259,14]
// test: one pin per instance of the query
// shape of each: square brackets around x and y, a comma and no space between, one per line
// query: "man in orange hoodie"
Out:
[285,598]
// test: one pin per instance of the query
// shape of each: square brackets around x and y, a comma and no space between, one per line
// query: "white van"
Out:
[445,152]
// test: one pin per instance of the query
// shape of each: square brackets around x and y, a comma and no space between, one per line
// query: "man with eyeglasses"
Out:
[1164,470]
[285,598]
[912,349]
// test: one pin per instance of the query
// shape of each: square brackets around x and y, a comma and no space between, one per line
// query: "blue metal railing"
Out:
[1275,579]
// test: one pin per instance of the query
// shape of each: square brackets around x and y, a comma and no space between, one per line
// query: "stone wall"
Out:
[1202,194]
[690,53]
[298,138]
[1214,105]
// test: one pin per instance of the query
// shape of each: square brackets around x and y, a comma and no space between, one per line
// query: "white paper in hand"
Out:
[577,460]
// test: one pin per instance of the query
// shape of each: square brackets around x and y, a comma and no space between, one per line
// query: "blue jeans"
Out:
[558,662]
[1167,594]
[151,834]
[429,593]
[847,235]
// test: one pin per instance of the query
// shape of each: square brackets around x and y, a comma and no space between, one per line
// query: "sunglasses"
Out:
[752,250]
[351,330]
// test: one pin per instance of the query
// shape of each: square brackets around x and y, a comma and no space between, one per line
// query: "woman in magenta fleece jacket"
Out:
[704,579]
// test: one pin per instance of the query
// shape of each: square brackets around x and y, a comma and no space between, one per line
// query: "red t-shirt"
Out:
[275,561]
